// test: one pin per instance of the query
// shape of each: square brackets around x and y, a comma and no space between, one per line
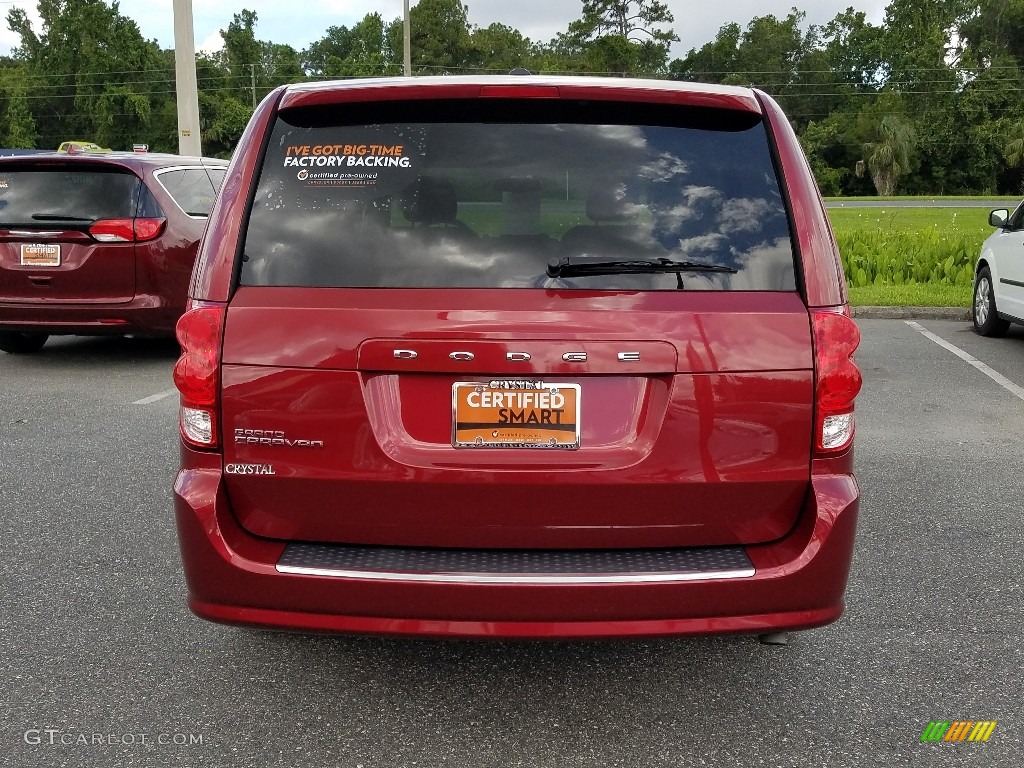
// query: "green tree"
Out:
[279,64]
[771,51]
[922,63]
[95,76]
[633,20]
[324,57]
[829,149]
[121,113]
[839,65]
[766,54]
[223,120]
[624,37]
[1013,147]
[440,40]
[255,67]
[712,62]
[500,48]
[888,156]
[19,127]
[242,55]
[919,50]
[222,114]
[992,29]
[358,52]
[852,49]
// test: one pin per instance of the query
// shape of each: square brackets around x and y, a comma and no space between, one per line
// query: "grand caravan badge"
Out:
[515,414]
[350,162]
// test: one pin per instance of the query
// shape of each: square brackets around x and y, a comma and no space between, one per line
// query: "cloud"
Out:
[9,39]
[211,43]
[745,214]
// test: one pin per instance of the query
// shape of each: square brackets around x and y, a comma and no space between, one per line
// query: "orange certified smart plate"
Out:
[40,254]
[515,413]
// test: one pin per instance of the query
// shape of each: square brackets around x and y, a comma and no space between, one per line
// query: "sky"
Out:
[696,22]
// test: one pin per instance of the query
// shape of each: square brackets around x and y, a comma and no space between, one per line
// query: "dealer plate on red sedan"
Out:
[515,413]
[40,255]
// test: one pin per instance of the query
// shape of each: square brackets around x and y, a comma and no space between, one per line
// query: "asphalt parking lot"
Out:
[96,644]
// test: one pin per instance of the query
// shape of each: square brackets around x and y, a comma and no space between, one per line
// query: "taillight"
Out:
[113,230]
[196,374]
[148,229]
[837,379]
[126,230]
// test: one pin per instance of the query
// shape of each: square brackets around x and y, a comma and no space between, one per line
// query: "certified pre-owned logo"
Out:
[273,437]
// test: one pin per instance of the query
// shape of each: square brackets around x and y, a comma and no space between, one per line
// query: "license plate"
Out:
[40,255]
[515,414]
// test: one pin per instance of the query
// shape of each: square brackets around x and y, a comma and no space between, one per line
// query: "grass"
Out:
[972,222]
[910,256]
[1000,198]
[916,295]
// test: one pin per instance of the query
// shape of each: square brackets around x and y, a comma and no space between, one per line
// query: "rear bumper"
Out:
[233,578]
[145,314]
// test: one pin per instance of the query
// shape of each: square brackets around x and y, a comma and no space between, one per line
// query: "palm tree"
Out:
[888,157]
[1013,152]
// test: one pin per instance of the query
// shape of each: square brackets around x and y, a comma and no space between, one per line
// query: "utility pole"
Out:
[189,141]
[406,43]
[252,72]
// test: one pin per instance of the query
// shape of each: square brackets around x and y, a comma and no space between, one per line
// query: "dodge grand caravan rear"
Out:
[517,356]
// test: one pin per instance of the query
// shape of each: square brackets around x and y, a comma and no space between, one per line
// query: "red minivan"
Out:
[99,244]
[518,356]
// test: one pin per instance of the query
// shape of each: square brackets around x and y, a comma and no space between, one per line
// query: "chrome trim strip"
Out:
[519,578]
[32,233]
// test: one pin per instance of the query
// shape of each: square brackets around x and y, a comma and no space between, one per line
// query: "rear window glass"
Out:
[30,197]
[193,189]
[489,194]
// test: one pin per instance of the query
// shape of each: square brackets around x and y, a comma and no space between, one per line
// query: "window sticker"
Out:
[359,163]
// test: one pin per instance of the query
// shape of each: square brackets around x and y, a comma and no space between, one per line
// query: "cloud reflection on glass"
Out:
[490,204]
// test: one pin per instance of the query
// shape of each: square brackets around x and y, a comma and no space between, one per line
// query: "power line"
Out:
[795,71]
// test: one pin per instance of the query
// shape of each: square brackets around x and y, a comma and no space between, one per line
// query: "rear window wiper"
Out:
[59,217]
[582,265]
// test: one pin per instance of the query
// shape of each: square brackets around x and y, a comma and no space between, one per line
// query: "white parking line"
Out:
[154,398]
[997,377]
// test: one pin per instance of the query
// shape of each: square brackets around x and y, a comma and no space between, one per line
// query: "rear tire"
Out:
[986,319]
[22,343]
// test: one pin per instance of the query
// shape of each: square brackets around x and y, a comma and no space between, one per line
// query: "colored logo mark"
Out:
[959,730]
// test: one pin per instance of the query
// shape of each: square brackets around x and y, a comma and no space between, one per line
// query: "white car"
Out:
[999,275]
